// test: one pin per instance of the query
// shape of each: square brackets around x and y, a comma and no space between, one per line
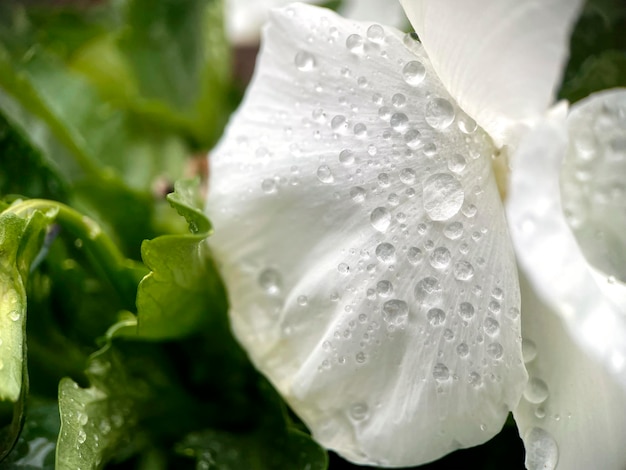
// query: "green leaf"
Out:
[606,70]
[183,291]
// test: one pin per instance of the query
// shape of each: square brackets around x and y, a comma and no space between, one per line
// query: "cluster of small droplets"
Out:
[403,174]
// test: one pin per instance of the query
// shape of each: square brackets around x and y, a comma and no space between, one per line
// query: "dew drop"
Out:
[466,311]
[375,33]
[462,350]
[343,268]
[357,194]
[346,157]
[355,43]
[495,350]
[439,113]
[413,72]
[407,176]
[359,411]
[463,271]
[453,230]
[440,372]
[440,258]
[398,100]
[305,61]
[384,288]
[302,300]
[82,436]
[399,122]
[14,315]
[360,357]
[457,163]
[383,180]
[360,130]
[380,219]
[426,287]
[414,255]
[413,139]
[268,185]
[386,252]
[536,391]
[324,174]
[529,350]
[466,124]
[270,281]
[491,326]
[436,316]
[475,380]
[542,452]
[443,196]
[339,123]
[395,311]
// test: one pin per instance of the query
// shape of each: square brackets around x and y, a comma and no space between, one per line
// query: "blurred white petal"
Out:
[501,60]
[550,255]
[573,413]
[364,246]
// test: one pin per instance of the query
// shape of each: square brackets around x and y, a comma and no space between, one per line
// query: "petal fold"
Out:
[363,242]
[572,414]
[501,60]
[550,255]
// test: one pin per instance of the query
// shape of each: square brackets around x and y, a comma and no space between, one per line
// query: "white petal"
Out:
[501,60]
[594,180]
[549,254]
[386,12]
[344,291]
[244,18]
[573,414]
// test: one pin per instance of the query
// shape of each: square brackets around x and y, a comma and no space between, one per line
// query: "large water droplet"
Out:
[324,174]
[536,391]
[399,122]
[305,61]
[466,311]
[386,252]
[380,219]
[542,452]
[440,257]
[375,33]
[441,373]
[413,72]
[395,311]
[443,196]
[463,271]
[439,113]
[436,316]
[355,44]
[270,281]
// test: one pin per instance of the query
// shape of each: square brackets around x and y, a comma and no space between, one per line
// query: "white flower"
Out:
[244,18]
[364,244]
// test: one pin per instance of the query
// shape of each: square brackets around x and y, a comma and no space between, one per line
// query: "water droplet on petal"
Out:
[270,281]
[302,300]
[440,258]
[357,194]
[413,72]
[380,219]
[466,311]
[462,350]
[407,176]
[529,350]
[384,288]
[439,113]
[457,163]
[268,185]
[346,157]
[436,316]
[476,381]
[413,139]
[495,350]
[395,311]
[443,196]
[375,33]
[536,391]
[491,326]
[359,411]
[414,255]
[325,175]
[355,44]
[453,230]
[542,452]
[305,61]
[386,252]
[466,124]
[399,122]
[463,271]
[440,372]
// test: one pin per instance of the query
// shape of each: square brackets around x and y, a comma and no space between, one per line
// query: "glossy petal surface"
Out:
[363,243]
[572,413]
[505,58]
[550,255]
